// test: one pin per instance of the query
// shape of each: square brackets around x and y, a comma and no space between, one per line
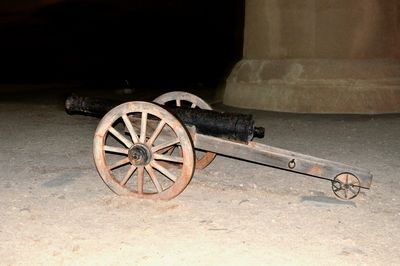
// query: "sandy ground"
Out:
[55,209]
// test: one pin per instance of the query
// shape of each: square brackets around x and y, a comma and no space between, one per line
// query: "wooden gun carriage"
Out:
[150,150]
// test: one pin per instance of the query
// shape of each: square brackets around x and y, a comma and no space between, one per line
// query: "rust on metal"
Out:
[315,170]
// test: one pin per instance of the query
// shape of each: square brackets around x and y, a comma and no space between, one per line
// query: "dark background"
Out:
[155,43]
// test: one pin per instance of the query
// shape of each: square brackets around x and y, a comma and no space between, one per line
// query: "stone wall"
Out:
[319,56]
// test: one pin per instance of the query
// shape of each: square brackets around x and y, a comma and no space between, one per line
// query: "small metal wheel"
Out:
[180,98]
[130,163]
[346,186]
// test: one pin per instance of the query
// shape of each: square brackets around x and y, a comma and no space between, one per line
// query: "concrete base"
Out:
[316,86]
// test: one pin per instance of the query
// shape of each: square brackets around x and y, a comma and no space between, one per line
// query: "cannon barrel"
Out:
[232,126]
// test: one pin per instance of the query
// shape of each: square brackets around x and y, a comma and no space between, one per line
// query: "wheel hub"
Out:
[139,155]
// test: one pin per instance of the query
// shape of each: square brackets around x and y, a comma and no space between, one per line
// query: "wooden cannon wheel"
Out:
[346,186]
[130,162]
[180,98]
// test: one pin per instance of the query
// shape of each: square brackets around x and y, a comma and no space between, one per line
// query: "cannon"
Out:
[234,126]
[151,149]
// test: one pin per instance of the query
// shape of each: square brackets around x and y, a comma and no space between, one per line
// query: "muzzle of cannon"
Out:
[232,126]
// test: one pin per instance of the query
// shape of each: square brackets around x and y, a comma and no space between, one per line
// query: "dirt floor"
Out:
[56,210]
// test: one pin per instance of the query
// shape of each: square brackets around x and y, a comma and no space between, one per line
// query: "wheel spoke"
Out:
[140,179]
[156,133]
[119,136]
[164,171]
[128,175]
[336,184]
[116,149]
[119,163]
[178,102]
[153,177]
[165,145]
[352,190]
[143,127]
[337,189]
[130,128]
[167,151]
[168,158]
[171,150]
[345,193]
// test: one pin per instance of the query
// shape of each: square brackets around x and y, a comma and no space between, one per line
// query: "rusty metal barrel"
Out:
[227,125]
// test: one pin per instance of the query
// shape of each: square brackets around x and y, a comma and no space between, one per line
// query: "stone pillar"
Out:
[319,56]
